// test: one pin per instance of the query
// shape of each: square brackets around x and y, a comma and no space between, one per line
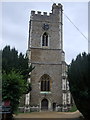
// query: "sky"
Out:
[15,25]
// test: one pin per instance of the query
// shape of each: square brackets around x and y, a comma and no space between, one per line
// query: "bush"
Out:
[13,86]
[73,108]
[79,81]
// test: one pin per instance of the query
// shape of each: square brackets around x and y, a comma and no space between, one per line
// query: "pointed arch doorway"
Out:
[44,104]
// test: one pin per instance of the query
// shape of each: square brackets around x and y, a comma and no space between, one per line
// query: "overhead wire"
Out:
[73,24]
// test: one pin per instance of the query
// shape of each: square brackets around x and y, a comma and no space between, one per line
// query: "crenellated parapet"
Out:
[54,6]
[56,10]
[39,13]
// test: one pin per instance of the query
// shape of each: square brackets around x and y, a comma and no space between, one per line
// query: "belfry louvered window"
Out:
[45,83]
[45,39]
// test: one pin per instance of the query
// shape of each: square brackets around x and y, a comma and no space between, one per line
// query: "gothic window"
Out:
[45,39]
[45,83]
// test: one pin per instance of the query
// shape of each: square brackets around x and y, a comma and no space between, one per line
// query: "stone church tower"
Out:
[50,90]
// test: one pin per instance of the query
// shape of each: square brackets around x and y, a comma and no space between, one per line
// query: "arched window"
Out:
[45,39]
[45,83]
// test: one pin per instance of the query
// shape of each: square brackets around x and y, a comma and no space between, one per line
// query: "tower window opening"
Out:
[45,39]
[45,83]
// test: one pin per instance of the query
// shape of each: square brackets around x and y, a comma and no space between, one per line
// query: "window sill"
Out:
[45,92]
[45,46]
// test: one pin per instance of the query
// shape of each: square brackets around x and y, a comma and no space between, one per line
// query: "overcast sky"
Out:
[16,16]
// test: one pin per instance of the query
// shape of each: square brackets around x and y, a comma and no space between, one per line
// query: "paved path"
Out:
[49,115]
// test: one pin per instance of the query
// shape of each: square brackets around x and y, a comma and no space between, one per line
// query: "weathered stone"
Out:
[48,60]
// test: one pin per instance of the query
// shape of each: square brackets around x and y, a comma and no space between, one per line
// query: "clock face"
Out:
[45,26]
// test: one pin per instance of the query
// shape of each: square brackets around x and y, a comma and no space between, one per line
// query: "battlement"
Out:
[39,13]
[55,10]
[56,6]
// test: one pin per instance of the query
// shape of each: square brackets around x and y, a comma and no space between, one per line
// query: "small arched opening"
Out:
[44,104]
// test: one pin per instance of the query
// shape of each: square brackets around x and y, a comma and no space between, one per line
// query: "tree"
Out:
[79,81]
[13,87]
[11,60]
[15,72]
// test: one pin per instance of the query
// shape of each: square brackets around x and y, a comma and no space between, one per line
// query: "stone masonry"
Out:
[49,61]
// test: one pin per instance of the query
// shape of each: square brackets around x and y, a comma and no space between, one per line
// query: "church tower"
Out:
[50,90]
